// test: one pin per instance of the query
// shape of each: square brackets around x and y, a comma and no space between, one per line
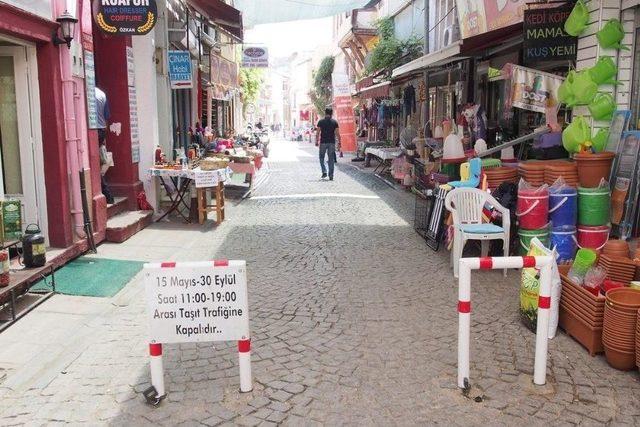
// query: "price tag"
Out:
[197,301]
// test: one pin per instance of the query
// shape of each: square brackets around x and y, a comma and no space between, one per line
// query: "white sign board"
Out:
[90,91]
[340,83]
[197,301]
[131,67]
[255,57]
[206,179]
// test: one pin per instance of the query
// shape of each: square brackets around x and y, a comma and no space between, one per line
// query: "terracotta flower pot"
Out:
[619,359]
[593,167]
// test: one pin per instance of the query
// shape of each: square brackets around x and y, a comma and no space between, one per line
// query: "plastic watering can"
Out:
[604,71]
[602,106]
[565,93]
[611,34]
[599,141]
[576,134]
[584,88]
[578,19]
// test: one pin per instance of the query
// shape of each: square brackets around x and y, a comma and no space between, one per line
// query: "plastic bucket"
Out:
[584,89]
[602,106]
[611,34]
[604,71]
[563,207]
[563,240]
[585,258]
[593,206]
[533,208]
[577,20]
[593,237]
[527,235]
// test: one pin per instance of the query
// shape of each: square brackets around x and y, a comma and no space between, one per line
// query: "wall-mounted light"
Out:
[67,29]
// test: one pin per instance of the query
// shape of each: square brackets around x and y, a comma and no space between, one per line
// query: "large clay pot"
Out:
[593,167]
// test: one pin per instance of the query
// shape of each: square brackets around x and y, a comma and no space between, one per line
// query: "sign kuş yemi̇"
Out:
[544,36]
[125,17]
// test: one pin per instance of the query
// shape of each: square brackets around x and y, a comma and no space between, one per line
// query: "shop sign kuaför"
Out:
[125,17]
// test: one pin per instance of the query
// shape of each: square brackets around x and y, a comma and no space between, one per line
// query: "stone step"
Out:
[126,224]
[119,206]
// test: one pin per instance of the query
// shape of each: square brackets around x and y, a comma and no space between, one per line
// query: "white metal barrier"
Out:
[544,263]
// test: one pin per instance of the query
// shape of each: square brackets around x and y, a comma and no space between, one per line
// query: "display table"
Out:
[384,154]
[181,180]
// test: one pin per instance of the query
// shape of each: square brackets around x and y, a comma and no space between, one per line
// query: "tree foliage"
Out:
[390,52]
[321,92]
[251,80]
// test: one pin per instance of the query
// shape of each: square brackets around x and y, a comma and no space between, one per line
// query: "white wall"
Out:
[145,72]
[589,51]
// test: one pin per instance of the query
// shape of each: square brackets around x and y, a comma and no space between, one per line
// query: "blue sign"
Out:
[180,69]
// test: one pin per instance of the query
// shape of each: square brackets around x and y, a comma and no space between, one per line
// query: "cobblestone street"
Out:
[353,321]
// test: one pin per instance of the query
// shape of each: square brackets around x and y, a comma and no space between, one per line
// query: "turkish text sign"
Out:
[197,301]
[125,17]
[180,69]
[255,57]
[544,35]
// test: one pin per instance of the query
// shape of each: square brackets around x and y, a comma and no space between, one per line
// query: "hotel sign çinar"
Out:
[125,17]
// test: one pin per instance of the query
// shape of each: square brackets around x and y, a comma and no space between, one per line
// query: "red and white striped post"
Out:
[157,370]
[244,363]
[544,263]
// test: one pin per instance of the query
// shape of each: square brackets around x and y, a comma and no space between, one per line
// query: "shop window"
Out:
[9,138]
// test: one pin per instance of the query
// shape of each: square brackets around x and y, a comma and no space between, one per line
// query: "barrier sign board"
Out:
[192,302]
[196,302]
[180,69]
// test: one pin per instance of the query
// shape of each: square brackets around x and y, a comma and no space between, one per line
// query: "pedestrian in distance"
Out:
[326,140]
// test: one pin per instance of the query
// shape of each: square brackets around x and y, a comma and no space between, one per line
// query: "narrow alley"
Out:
[353,321]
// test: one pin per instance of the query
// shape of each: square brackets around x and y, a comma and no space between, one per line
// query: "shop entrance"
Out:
[20,133]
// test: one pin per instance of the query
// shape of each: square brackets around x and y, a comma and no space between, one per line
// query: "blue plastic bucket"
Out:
[563,239]
[563,207]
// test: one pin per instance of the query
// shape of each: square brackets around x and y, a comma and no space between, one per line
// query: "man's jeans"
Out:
[331,150]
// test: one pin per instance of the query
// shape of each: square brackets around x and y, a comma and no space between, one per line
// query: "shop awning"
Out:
[257,12]
[221,14]
[379,90]
[434,59]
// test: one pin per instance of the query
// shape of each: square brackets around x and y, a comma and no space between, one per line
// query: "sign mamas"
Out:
[125,17]
[255,57]
[180,69]
[544,36]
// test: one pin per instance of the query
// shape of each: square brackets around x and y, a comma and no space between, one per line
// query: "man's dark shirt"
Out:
[328,128]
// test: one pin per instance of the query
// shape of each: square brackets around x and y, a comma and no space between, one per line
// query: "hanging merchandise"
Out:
[534,90]
[575,135]
[602,106]
[578,19]
[599,141]
[611,34]
[604,71]
[584,89]
[565,91]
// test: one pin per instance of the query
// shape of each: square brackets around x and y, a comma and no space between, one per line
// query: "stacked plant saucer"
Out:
[618,268]
[567,170]
[620,327]
[532,172]
[498,175]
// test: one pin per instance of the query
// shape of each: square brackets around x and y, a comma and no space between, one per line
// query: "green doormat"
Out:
[92,277]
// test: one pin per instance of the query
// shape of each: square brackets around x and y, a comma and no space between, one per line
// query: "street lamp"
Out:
[67,26]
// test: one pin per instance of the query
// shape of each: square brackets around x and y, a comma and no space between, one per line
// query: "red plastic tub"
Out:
[533,208]
[593,237]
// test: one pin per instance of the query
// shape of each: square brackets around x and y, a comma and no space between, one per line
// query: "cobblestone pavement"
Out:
[353,322]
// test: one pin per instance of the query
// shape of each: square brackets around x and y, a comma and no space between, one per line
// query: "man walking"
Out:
[326,139]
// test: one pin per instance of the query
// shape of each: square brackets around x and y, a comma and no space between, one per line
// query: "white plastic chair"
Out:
[465,205]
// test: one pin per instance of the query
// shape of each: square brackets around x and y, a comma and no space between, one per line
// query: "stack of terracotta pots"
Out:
[620,269]
[565,170]
[592,167]
[620,327]
[498,175]
[616,248]
[532,172]
[581,314]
